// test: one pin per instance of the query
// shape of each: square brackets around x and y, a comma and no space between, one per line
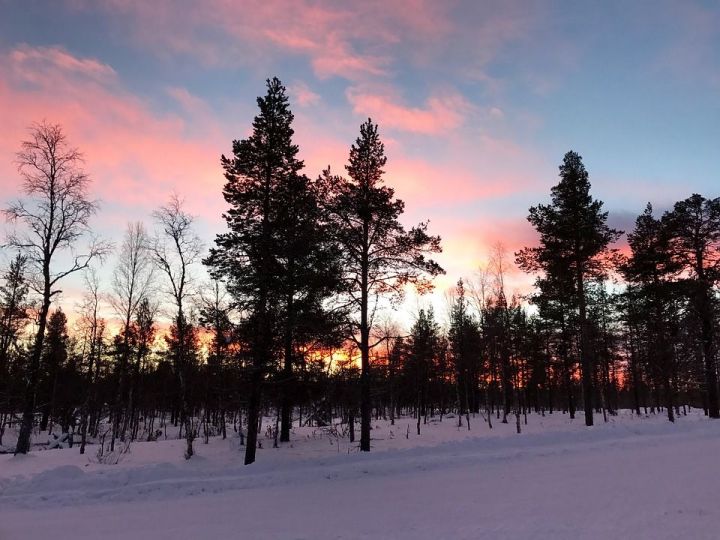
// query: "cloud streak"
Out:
[31,61]
[441,113]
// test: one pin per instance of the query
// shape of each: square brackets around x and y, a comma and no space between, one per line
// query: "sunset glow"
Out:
[388,269]
[475,115]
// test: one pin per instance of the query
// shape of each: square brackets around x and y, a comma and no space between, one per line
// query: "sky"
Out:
[476,101]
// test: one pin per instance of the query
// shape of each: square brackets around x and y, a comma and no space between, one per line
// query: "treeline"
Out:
[289,326]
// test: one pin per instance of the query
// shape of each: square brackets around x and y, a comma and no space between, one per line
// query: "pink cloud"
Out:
[28,61]
[330,54]
[442,113]
[135,156]
[460,168]
[302,94]
[189,102]
[349,40]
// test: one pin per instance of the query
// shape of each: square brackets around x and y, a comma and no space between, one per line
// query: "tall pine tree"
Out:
[650,268]
[275,259]
[694,225]
[574,235]
[378,255]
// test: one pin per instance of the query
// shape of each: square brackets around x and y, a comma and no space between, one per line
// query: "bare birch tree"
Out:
[131,285]
[92,328]
[175,250]
[51,221]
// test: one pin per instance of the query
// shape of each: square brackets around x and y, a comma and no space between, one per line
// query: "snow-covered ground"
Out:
[634,477]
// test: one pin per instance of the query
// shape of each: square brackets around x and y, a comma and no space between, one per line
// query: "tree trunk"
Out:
[585,347]
[287,384]
[711,384]
[365,405]
[23,442]
[253,415]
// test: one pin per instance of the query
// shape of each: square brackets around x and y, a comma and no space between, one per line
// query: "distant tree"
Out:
[92,327]
[389,333]
[520,337]
[143,331]
[176,250]
[14,317]
[215,312]
[55,354]
[183,350]
[499,315]
[464,345]
[632,317]
[378,256]
[54,218]
[651,268]
[574,235]
[396,349]
[602,313]
[694,226]
[497,339]
[423,351]
[131,285]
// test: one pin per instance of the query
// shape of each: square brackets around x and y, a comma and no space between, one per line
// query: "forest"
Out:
[285,318]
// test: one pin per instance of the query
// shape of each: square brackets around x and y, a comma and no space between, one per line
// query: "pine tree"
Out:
[215,317]
[574,235]
[464,343]
[143,331]
[557,308]
[13,317]
[55,354]
[183,350]
[496,332]
[694,225]
[258,257]
[308,275]
[651,268]
[378,256]
[423,350]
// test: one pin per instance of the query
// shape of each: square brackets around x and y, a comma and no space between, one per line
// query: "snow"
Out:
[639,477]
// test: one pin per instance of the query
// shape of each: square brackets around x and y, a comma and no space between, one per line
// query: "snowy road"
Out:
[628,480]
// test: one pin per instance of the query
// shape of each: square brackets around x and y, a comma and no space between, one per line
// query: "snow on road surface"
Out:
[633,477]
